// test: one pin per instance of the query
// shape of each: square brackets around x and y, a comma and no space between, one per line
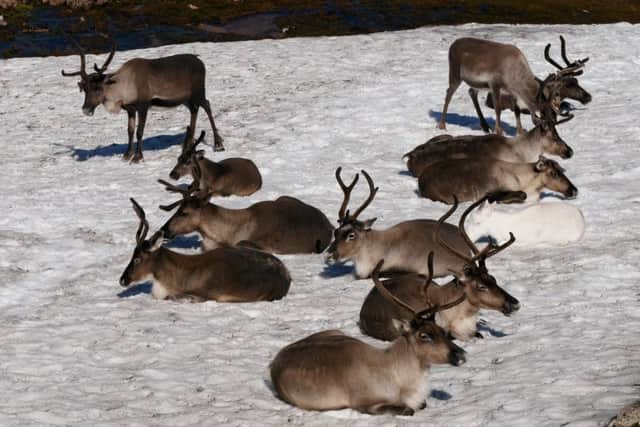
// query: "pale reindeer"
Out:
[539,224]
[231,176]
[404,246]
[225,274]
[469,179]
[475,285]
[503,69]
[330,370]
[140,84]
[283,226]
[527,147]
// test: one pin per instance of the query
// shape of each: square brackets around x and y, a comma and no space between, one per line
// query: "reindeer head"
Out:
[552,143]
[564,83]
[553,177]
[429,340]
[187,218]
[92,84]
[349,235]
[189,156]
[481,288]
[140,266]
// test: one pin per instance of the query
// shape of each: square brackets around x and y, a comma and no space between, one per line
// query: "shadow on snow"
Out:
[154,143]
[471,122]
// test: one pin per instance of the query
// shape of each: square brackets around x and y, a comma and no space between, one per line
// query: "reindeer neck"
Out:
[223,224]
[520,177]
[170,269]
[402,354]
[210,169]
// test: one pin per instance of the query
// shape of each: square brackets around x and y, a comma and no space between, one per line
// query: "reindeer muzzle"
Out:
[572,192]
[174,174]
[457,356]
[88,111]
[510,306]
[123,281]
[568,153]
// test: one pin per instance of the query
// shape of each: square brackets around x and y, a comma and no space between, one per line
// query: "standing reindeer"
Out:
[329,370]
[503,69]
[474,285]
[224,274]
[569,87]
[143,83]
[229,176]
[404,246]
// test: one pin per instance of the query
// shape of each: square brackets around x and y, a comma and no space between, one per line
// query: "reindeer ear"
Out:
[402,326]
[110,81]
[368,223]
[540,165]
[200,154]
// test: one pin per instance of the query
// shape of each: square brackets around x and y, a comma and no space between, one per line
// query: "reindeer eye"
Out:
[136,261]
[425,337]
[554,174]
[481,287]
[351,236]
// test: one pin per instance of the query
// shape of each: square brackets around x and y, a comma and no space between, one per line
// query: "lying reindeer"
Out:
[546,223]
[330,370]
[231,176]
[475,285]
[283,226]
[140,84]
[469,179]
[528,147]
[224,274]
[404,246]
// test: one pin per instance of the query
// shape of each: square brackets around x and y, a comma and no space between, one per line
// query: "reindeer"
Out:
[330,370]
[475,286]
[225,274]
[546,223]
[404,246]
[233,175]
[283,226]
[568,87]
[527,147]
[143,83]
[468,179]
[503,68]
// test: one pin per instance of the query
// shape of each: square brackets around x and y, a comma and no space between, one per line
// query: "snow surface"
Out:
[77,350]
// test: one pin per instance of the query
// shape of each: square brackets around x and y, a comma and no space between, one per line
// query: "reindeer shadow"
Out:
[483,327]
[154,143]
[142,288]
[336,270]
[471,122]
[184,242]
[440,394]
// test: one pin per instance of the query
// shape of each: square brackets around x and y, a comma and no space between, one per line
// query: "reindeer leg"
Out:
[517,112]
[495,92]
[473,93]
[193,109]
[217,139]
[453,86]
[131,125]
[142,120]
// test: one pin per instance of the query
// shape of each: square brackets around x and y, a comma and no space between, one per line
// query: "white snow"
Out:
[73,352]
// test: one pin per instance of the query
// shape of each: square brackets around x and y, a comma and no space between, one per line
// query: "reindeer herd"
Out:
[421,318]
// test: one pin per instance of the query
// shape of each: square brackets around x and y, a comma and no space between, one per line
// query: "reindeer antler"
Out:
[102,69]
[81,52]
[186,194]
[347,193]
[372,193]
[572,68]
[143,228]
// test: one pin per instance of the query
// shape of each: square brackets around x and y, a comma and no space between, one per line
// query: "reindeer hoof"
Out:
[127,156]
[442,125]
[137,158]
[479,335]
[423,405]
[407,411]
[218,147]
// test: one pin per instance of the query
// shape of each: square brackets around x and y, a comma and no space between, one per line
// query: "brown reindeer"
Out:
[330,370]
[469,179]
[143,83]
[231,176]
[283,226]
[225,274]
[404,246]
[527,147]
[478,288]
[566,86]
[503,68]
